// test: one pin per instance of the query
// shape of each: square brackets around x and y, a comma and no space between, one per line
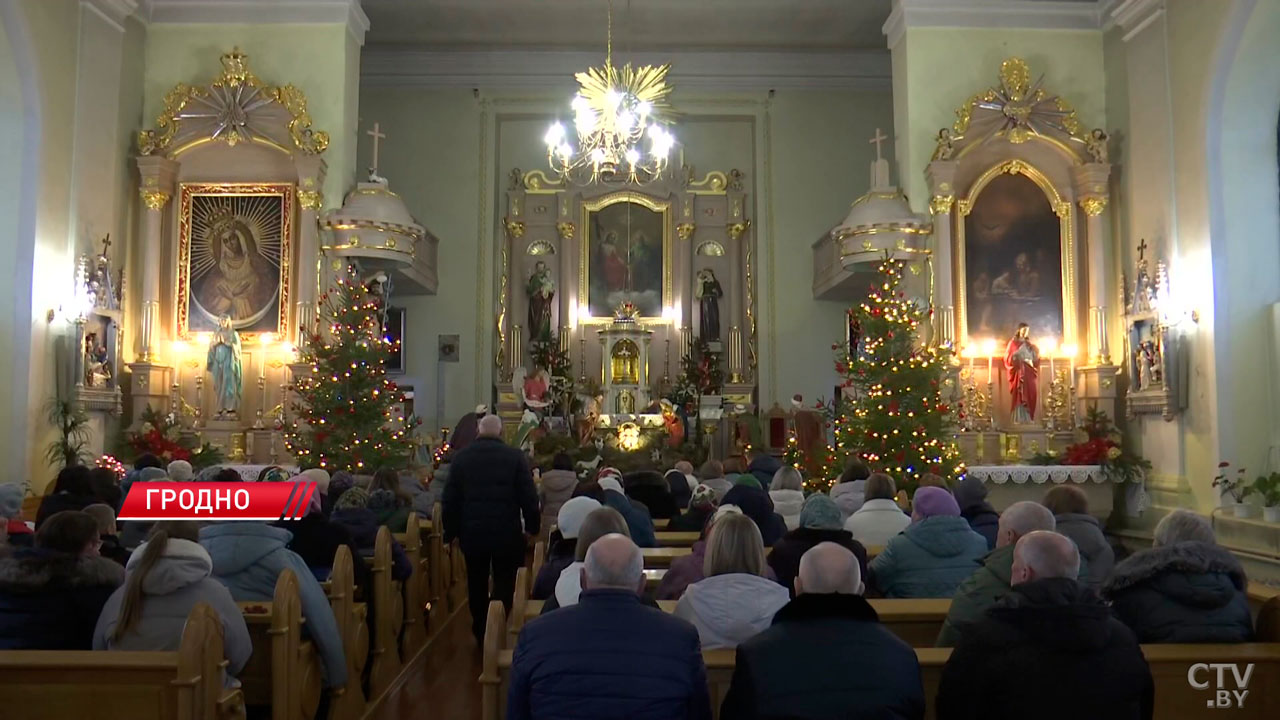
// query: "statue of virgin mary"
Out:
[223,363]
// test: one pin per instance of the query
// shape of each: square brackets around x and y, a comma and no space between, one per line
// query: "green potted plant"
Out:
[1232,486]
[1268,488]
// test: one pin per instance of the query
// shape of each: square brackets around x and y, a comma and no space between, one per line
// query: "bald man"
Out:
[993,579]
[826,654]
[609,656]
[490,490]
[1048,649]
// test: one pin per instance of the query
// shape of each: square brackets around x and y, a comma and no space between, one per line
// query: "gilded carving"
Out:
[941,204]
[500,357]
[1093,206]
[565,230]
[154,199]
[737,229]
[685,231]
[310,199]
[515,228]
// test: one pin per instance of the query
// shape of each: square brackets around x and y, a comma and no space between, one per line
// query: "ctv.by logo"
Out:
[1223,697]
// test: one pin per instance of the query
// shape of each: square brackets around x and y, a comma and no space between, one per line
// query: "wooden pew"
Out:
[440,572]
[661,523]
[676,539]
[539,558]
[661,557]
[917,620]
[1175,698]
[182,685]
[284,670]
[519,601]
[415,634]
[436,610]
[388,617]
[348,702]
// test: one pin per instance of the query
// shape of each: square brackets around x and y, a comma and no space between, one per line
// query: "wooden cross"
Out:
[376,135]
[876,140]
[1142,249]
[106,244]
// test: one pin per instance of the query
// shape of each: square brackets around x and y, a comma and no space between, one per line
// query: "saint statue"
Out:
[542,292]
[709,294]
[240,283]
[1022,360]
[223,363]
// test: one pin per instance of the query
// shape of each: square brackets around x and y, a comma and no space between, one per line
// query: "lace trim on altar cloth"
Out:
[1038,474]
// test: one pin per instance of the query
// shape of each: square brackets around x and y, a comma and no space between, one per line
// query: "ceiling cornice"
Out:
[1133,16]
[1004,14]
[480,68]
[114,12]
[260,12]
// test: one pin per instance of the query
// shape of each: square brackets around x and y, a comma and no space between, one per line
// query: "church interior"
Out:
[639,232]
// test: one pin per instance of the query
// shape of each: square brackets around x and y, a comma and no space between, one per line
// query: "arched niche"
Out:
[1008,139]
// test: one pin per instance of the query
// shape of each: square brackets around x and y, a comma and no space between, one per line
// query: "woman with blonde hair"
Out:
[165,578]
[735,600]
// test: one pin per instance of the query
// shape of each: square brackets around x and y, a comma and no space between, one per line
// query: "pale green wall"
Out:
[11,319]
[318,59]
[452,179]
[946,66]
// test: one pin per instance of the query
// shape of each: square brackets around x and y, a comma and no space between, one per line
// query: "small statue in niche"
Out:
[97,363]
[223,362]
[541,291]
[1096,145]
[945,149]
[709,294]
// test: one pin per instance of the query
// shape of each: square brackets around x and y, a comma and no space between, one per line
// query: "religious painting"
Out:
[1012,252]
[626,255]
[233,257]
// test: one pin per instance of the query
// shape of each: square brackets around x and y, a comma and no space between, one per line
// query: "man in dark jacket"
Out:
[820,522]
[1048,649]
[826,655]
[490,489]
[609,656]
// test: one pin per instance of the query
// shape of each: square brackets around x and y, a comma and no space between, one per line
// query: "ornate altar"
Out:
[245,166]
[1018,189]
[95,352]
[677,254]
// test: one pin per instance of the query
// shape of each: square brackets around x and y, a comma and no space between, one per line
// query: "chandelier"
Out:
[619,118]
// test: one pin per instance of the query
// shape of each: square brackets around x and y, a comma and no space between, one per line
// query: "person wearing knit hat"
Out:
[341,482]
[273,473]
[971,496]
[11,496]
[934,554]
[320,477]
[607,472]
[563,546]
[701,505]
[353,497]
[611,482]
[757,505]
[820,521]
[180,471]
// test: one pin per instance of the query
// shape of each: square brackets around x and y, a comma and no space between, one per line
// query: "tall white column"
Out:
[311,172]
[157,176]
[939,175]
[1092,193]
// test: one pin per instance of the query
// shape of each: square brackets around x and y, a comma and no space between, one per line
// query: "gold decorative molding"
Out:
[154,199]
[515,228]
[737,229]
[714,183]
[565,230]
[941,204]
[310,199]
[684,231]
[1024,111]
[657,205]
[235,74]
[750,291]
[500,319]
[1093,205]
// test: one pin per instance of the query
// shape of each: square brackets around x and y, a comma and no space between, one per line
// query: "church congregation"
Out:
[644,359]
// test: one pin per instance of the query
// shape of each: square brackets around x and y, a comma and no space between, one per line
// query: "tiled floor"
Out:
[446,686]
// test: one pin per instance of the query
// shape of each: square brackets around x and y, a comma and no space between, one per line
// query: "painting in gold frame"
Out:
[625,255]
[1015,257]
[234,246]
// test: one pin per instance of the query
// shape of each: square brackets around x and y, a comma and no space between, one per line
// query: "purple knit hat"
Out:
[933,501]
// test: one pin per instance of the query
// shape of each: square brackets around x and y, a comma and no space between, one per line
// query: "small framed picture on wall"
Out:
[395,333]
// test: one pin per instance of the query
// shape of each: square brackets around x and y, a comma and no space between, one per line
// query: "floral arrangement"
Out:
[1103,447]
[1234,486]
[700,375]
[162,436]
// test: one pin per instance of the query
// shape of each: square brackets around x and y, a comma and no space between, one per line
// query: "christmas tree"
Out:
[897,420]
[346,413]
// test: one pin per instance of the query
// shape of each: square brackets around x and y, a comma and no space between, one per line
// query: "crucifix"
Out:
[376,135]
[876,140]
[1142,250]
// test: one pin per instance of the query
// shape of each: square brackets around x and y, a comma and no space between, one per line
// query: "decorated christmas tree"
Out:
[897,419]
[346,414]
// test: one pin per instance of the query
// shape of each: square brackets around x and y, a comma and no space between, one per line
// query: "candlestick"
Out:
[199,400]
[175,392]
[666,364]
[582,359]
[262,401]
[686,342]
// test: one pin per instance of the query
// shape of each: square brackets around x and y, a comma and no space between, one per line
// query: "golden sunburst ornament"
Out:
[620,118]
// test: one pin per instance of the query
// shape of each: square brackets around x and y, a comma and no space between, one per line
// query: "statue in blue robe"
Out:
[223,364]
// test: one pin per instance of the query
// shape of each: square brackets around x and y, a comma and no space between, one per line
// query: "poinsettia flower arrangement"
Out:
[162,436]
[1103,446]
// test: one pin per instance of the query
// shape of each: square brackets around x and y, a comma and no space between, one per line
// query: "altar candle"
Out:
[990,377]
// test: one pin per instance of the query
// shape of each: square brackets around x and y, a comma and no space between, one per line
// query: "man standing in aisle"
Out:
[490,489]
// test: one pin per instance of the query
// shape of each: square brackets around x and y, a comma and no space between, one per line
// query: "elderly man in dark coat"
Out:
[826,654]
[609,656]
[1048,649]
[490,491]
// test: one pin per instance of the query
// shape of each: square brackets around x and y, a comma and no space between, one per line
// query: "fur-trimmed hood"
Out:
[1186,558]
[36,570]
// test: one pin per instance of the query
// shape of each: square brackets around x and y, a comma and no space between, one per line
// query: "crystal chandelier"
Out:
[619,117]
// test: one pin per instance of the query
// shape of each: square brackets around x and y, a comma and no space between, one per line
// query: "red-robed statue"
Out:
[1022,361]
